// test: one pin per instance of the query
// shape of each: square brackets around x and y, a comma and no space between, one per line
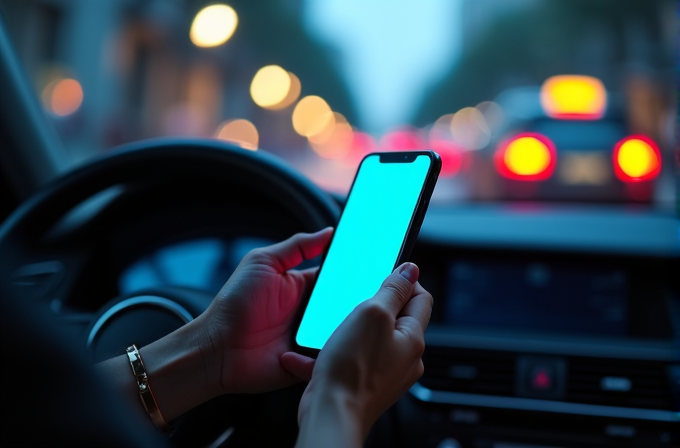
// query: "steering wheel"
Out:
[59,246]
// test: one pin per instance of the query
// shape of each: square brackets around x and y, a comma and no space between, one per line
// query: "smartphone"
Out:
[376,232]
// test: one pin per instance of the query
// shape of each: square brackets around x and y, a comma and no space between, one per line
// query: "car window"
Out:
[503,90]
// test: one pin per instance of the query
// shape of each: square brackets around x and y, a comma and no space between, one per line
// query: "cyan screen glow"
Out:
[366,244]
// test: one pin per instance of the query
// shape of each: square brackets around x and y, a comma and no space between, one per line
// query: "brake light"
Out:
[526,156]
[636,159]
[573,97]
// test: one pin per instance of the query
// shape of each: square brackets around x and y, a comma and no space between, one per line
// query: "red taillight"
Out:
[451,155]
[527,156]
[636,159]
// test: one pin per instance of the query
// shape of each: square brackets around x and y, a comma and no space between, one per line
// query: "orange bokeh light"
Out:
[293,93]
[311,116]
[241,132]
[63,97]
[335,141]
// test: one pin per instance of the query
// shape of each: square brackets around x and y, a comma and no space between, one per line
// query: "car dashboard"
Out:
[552,326]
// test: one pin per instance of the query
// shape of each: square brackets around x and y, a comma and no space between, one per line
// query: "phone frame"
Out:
[411,233]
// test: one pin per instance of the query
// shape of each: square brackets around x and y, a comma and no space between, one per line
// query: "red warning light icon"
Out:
[541,379]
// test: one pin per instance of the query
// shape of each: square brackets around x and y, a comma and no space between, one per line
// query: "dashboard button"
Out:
[541,377]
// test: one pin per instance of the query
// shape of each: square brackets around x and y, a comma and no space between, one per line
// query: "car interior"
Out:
[140,160]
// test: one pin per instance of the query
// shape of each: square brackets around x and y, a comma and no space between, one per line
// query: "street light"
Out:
[213,26]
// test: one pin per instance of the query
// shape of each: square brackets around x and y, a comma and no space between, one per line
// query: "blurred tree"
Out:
[598,38]
[272,32]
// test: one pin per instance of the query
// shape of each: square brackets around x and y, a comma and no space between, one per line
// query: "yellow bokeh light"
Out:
[527,156]
[213,26]
[241,132]
[571,96]
[293,93]
[311,116]
[63,97]
[636,158]
[270,86]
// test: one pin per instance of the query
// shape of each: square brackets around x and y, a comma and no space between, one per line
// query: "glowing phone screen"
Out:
[366,244]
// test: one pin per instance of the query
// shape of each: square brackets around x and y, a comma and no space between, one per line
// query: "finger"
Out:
[397,289]
[299,365]
[305,279]
[310,274]
[419,307]
[298,248]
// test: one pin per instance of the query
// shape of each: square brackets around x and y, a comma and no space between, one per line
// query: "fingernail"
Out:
[409,271]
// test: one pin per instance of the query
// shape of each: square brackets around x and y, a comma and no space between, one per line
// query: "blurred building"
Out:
[140,75]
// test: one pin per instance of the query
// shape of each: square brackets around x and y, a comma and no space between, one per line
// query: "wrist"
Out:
[335,404]
[180,370]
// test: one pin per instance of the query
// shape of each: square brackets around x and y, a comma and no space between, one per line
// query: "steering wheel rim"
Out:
[162,158]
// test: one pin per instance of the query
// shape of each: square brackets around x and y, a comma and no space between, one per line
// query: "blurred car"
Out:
[569,140]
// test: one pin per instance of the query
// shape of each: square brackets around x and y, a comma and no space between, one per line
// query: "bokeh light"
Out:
[362,145]
[335,141]
[293,93]
[241,132]
[327,132]
[441,129]
[526,157]
[213,26]
[311,116]
[574,97]
[63,97]
[636,159]
[404,139]
[270,86]
[442,142]
[469,128]
[493,115]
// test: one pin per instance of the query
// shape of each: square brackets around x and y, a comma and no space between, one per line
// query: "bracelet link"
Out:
[145,393]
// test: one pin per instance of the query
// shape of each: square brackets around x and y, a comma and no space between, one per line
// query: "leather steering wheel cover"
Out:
[167,159]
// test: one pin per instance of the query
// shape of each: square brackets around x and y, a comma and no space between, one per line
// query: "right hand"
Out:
[374,356]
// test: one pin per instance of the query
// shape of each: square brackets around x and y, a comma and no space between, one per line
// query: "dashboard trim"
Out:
[422,393]
[667,351]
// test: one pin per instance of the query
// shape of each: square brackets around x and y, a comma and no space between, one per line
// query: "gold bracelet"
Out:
[148,399]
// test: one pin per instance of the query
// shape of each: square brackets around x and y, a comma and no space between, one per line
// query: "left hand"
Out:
[247,327]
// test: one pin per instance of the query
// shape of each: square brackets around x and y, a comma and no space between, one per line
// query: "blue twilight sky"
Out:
[391,51]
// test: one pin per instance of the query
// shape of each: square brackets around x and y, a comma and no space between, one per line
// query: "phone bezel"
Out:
[411,233]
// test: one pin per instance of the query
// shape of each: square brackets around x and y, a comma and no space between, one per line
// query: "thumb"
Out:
[299,365]
[397,289]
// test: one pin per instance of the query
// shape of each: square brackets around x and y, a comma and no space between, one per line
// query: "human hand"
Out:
[371,359]
[247,327]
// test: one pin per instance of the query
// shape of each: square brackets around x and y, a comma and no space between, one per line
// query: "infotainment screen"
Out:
[537,297]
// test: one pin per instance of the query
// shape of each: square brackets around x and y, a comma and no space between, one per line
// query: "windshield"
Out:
[547,100]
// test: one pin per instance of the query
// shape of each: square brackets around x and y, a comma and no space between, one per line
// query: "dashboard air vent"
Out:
[613,382]
[469,371]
